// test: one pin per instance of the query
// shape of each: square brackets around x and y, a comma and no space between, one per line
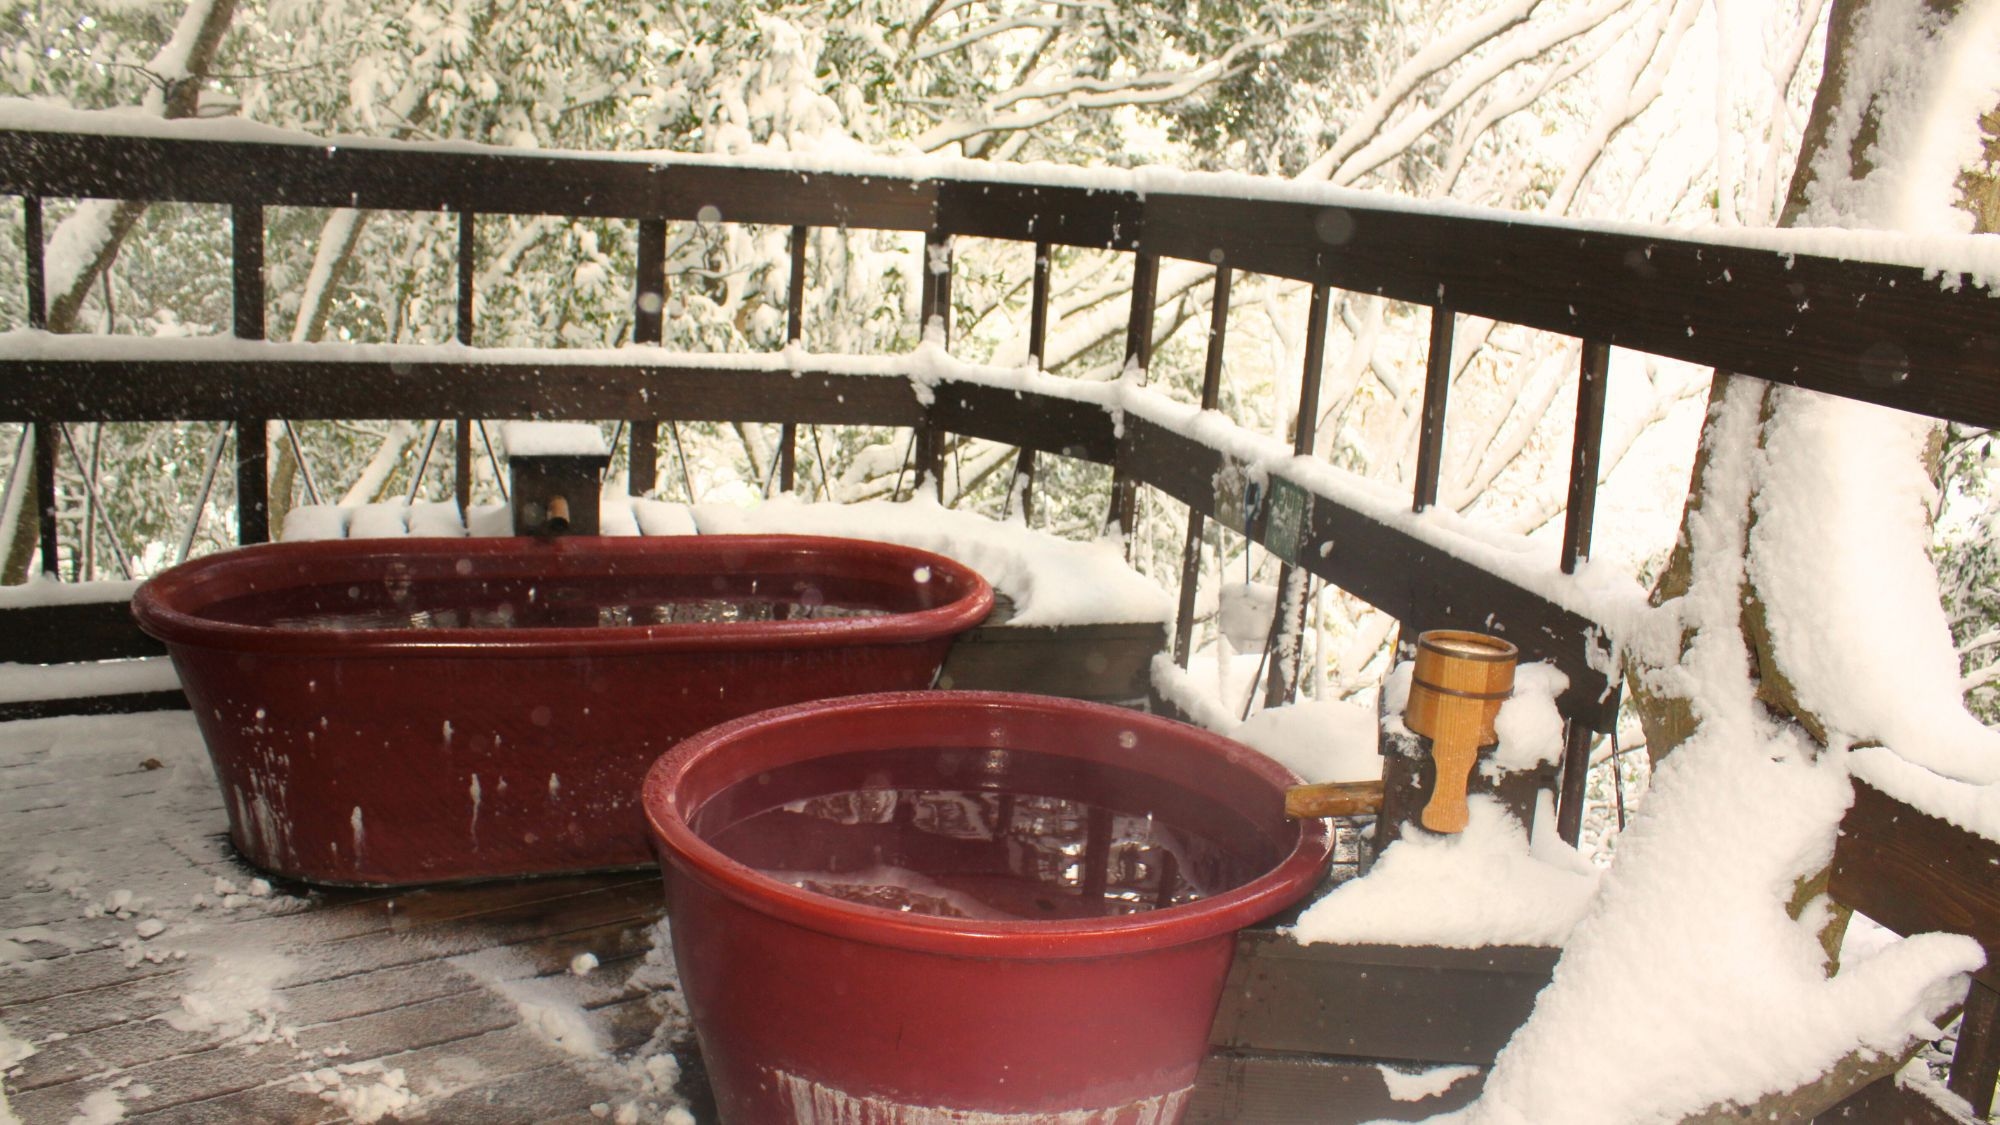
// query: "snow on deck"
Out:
[1050,580]
[144,970]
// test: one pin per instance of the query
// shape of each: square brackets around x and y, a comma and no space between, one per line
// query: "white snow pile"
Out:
[553,439]
[368,1091]
[1485,886]
[1052,581]
[1415,1086]
[1687,985]
[1690,926]
[1318,739]
[233,995]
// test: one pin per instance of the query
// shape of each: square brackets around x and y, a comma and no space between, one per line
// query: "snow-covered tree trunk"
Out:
[1799,617]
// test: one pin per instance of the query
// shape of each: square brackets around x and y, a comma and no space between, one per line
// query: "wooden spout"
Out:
[558,521]
[1459,683]
[1333,798]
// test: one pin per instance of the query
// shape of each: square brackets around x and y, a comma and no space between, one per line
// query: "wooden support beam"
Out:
[1915,873]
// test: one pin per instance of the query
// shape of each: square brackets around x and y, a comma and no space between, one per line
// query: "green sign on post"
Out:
[1290,522]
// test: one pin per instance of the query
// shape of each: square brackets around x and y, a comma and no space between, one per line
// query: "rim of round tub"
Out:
[168,606]
[895,720]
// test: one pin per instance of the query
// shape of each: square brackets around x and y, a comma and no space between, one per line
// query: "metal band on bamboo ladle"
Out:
[1456,690]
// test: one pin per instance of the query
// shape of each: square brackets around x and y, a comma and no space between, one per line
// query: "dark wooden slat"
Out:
[1211,393]
[144,391]
[649,304]
[1916,873]
[253,480]
[45,490]
[1290,622]
[461,431]
[461,463]
[1885,1102]
[123,704]
[1586,445]
[1110,663]
[1113,220]
[61,634]
[1252,1088]
[1052,425]
[246,228]
[33,254]
[1138,354]
[795,335]
[1437,391]
[1423,586]
[1975,1064]
[1575,781]
[1038,338]
[1358,1001]
[933,307]
[1878,333]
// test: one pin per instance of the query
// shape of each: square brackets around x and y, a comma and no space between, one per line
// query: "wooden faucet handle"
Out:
[1333,798]
[1454,747]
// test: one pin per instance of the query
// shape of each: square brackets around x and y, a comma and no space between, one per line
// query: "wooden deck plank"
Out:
[1249,1088]
[432,981]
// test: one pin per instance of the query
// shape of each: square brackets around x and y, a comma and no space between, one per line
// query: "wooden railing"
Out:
[1869,331]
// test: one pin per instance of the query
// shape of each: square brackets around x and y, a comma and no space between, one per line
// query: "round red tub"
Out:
[386,712]
[916,908]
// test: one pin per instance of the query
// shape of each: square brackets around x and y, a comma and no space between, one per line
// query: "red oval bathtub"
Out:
[928,907]
[386,712]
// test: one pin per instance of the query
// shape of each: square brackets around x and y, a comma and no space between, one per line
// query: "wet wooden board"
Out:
[444,985]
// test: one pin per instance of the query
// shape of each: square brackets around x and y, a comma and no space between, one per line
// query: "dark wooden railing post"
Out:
[461,428]
[1437,390]
[34,256]
[45,492]
[934,305]
[1585,450]
[649,305]
[1038,342]
[33,253]
[1975,1064]
[795,336]
[1197,523]
[1288,625]
[1139,355]
[253,460]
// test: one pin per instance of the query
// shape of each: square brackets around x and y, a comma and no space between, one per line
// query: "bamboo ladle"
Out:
[1456,690]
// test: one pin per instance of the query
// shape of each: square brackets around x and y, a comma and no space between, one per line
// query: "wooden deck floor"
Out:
[154,977]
